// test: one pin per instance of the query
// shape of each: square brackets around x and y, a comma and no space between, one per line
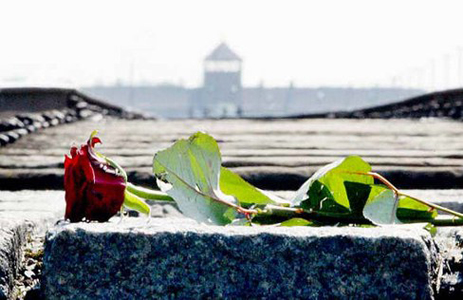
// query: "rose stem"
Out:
[288,212]
[158,195]
[148,193]
[333,218]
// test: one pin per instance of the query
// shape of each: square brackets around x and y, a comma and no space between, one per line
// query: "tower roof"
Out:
[223,52]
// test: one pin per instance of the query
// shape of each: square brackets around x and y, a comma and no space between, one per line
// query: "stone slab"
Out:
[40,208]
[21,214]
[450,243]
[176,259]
[12,237]
[27,212]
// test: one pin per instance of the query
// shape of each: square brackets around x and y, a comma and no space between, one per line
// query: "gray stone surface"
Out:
[40,208]
[30,211]
[177,258]
[21,214]
[450,243]
[27,212]
[12,237]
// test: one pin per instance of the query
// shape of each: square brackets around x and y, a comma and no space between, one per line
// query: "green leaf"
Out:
[358,194]
[134,202]
[232,184]
[296,222]
[326,190]
[412,210]
[431,229]
[381,209]
[408,209]
[189,172]
[320,198]
[343,188]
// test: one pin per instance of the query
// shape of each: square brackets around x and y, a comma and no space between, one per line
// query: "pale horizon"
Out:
[414,44]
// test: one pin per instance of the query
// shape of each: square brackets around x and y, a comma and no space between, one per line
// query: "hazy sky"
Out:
[312,43]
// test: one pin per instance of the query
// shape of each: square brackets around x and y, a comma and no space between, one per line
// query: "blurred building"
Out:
[222,95]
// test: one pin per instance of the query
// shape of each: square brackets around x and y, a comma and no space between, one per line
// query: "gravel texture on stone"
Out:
[12,237]
[178,258]
[450,243]
[23,213]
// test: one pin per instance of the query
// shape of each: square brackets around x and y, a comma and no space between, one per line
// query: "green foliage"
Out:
[380,205]
[296,222]
[358,194]
[189,172]
[344,188]
[381,208]
[325,190]
[410,210]
[407,210]
[342,193]
[246,194]
[431,229]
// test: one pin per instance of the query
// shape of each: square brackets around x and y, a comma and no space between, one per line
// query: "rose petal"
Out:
[94,191]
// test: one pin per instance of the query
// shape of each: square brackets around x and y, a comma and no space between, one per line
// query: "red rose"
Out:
[94,190]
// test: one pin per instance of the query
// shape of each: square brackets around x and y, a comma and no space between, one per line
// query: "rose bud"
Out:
[94,189]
